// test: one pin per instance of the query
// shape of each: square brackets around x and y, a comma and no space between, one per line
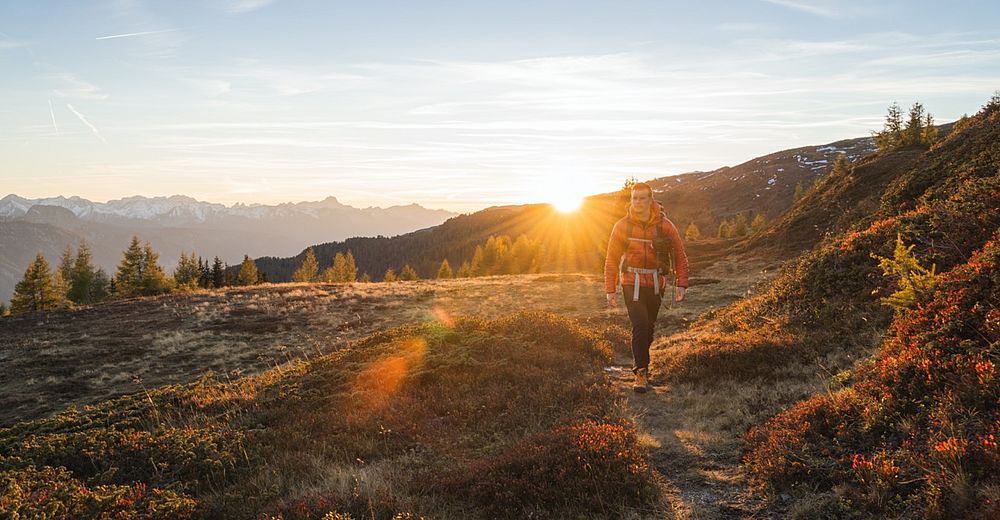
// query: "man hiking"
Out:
[632,260]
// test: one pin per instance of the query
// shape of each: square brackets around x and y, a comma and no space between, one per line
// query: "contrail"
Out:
[84,120]
[53,113]
[126,35]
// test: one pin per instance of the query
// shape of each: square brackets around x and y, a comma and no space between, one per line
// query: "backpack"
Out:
[664,252]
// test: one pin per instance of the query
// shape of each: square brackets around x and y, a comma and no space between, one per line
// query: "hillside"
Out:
[837,203]
[572,242]
[902,427]
[764,185]
[576,241]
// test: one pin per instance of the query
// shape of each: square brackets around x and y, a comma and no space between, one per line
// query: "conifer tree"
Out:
[365,278]
[692,232]
[329,275]
[444,272]
[758,224]
[740,226]
[408,274]
[138,272]
[930,134]
[841,165]
[478,266]
[891,135]
[390,275]
[725,229]
[205,279]
[916,282]
[81,283]
[65,268]
[309,270]
[154,280]
[218,273]
[3,309]
[35,292]
[248,272]
[351,267]
[526,255]
[993,103]
[102,287]
[337,272]
[914,130]
[188,272]
[465,270]
[128,280]
[60,286]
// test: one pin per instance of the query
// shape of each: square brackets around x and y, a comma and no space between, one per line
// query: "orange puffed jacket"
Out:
[638,249]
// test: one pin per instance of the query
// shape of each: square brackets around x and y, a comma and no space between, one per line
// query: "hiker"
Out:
[633,264]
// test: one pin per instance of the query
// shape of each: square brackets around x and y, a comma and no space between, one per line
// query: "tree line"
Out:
[76,281]
[741,225]
[497,255]
[567,245]
[917,130]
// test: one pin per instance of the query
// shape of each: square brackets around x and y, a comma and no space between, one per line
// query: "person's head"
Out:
[642,197]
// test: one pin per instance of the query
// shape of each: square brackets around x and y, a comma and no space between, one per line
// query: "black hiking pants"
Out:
[642,314]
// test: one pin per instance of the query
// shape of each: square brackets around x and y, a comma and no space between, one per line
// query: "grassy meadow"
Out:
[485,397]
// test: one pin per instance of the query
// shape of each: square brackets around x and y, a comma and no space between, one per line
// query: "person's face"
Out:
[641,200]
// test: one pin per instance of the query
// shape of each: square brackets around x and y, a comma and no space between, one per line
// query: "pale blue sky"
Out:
[457,105]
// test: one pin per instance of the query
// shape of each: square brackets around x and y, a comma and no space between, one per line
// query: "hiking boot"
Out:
[641,384]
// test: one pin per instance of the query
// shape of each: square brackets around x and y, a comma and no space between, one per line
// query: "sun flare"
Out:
[563,191]
[567,202]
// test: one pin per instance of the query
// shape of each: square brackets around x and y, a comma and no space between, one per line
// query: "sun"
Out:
[564,190]
[566,202]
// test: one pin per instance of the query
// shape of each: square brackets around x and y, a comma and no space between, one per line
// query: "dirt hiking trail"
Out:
[698,461]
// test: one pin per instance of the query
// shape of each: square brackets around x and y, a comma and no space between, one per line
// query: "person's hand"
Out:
[612,300]
[679,295]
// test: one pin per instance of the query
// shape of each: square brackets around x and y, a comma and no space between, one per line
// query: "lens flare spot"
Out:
[443,316]
[375,386]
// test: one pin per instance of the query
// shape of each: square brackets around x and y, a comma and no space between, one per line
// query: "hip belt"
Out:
[638,271]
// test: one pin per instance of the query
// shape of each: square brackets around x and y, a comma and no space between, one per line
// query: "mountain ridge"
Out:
[148,208]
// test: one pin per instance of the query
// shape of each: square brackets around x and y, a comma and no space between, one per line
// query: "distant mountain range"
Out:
[178,210]
[179,223]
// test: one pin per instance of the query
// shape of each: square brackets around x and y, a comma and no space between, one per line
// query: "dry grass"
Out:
[83,357]
[692,429]
[476,418]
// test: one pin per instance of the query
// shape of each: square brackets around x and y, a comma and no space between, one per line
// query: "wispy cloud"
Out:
[71,86]
[806,7]
[85,122]
[6,42]
[736,27]
[250,76]
[128,35]
[246,6]
[11,44]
